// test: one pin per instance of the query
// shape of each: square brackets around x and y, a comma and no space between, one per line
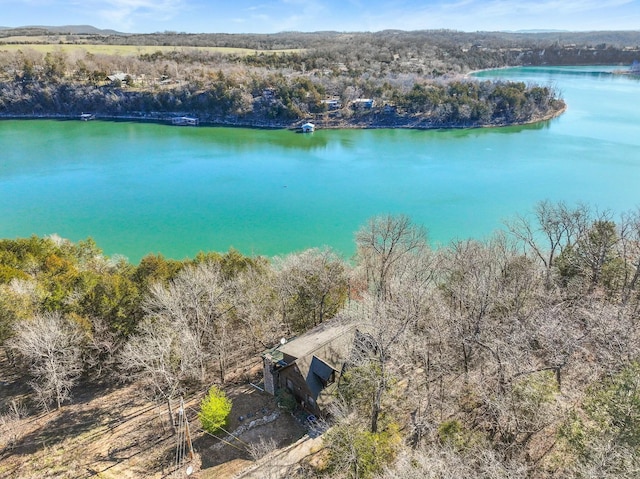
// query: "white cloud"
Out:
[287,15]
[548,7]
[493,14]
[126,14]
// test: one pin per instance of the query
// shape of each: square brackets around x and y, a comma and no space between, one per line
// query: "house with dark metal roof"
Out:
[309,366]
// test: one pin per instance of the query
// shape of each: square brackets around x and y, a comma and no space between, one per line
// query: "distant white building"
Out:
[185,121]
[332,103]
[117,76]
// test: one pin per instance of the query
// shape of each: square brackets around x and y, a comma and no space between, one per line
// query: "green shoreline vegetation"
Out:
[334,80]
[274,100]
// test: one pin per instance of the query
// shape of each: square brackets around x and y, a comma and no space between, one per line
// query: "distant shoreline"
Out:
[379,122]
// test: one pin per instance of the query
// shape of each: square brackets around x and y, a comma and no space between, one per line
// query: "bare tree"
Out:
[607,460]
[264,446]
[399,268]
[187,323]
[103,345]
[154,355]
[164,357]
[51,344]
[11,425]
[197,304]
[470,283]
[602,438]
[311,285]
[381,346]
[256,306]
[381,244]
[556,227]
[559,333]
[436,462]
[596,247]
[630,253]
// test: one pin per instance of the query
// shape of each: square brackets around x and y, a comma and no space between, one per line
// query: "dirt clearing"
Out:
[115,432]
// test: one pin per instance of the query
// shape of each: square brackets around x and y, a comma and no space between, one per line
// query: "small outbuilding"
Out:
[308,127]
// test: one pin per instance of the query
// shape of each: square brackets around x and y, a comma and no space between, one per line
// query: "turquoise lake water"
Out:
[149,188]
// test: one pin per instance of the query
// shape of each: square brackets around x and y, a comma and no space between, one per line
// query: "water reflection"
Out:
[138,187]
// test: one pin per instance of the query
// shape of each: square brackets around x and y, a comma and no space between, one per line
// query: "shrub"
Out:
[286,400]
[214,410]
[358,453]
[453,434]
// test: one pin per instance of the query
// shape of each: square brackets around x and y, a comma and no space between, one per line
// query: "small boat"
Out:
[87,116]
[308,128]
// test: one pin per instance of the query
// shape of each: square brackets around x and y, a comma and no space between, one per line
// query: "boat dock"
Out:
[185,121]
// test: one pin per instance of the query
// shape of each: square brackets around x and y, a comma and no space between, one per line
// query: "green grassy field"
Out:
[13,44]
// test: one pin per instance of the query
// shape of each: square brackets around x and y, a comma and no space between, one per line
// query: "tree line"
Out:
[516,356]
[426,49]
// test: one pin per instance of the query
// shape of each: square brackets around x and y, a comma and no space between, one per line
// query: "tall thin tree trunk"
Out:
[375,412]
[222,366]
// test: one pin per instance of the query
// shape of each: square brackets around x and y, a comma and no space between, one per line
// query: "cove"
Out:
[150,188]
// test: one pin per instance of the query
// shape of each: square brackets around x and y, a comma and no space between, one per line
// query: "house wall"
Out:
[291,379]
[269,378]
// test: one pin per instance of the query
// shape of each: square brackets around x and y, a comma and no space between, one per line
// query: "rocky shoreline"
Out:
[372,121]
[423,122]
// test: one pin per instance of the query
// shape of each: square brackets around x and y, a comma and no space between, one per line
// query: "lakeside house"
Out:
[332,103]
[118,76]
[310,366]
[308,127]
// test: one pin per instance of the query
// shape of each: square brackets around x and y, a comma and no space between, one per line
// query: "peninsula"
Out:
[389,79]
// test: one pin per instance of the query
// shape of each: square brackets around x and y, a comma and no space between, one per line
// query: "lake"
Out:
[149,188]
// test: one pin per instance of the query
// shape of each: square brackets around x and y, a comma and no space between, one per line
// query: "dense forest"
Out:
[511,357]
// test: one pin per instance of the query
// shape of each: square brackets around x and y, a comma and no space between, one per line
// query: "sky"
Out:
[272,16]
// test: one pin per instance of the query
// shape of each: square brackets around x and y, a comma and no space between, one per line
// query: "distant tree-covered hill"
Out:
[72,29]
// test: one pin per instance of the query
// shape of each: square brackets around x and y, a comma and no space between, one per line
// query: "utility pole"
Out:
[187,430]
[183,438]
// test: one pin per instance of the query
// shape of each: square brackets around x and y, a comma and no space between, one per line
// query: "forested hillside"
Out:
[412,79]
[511,357]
